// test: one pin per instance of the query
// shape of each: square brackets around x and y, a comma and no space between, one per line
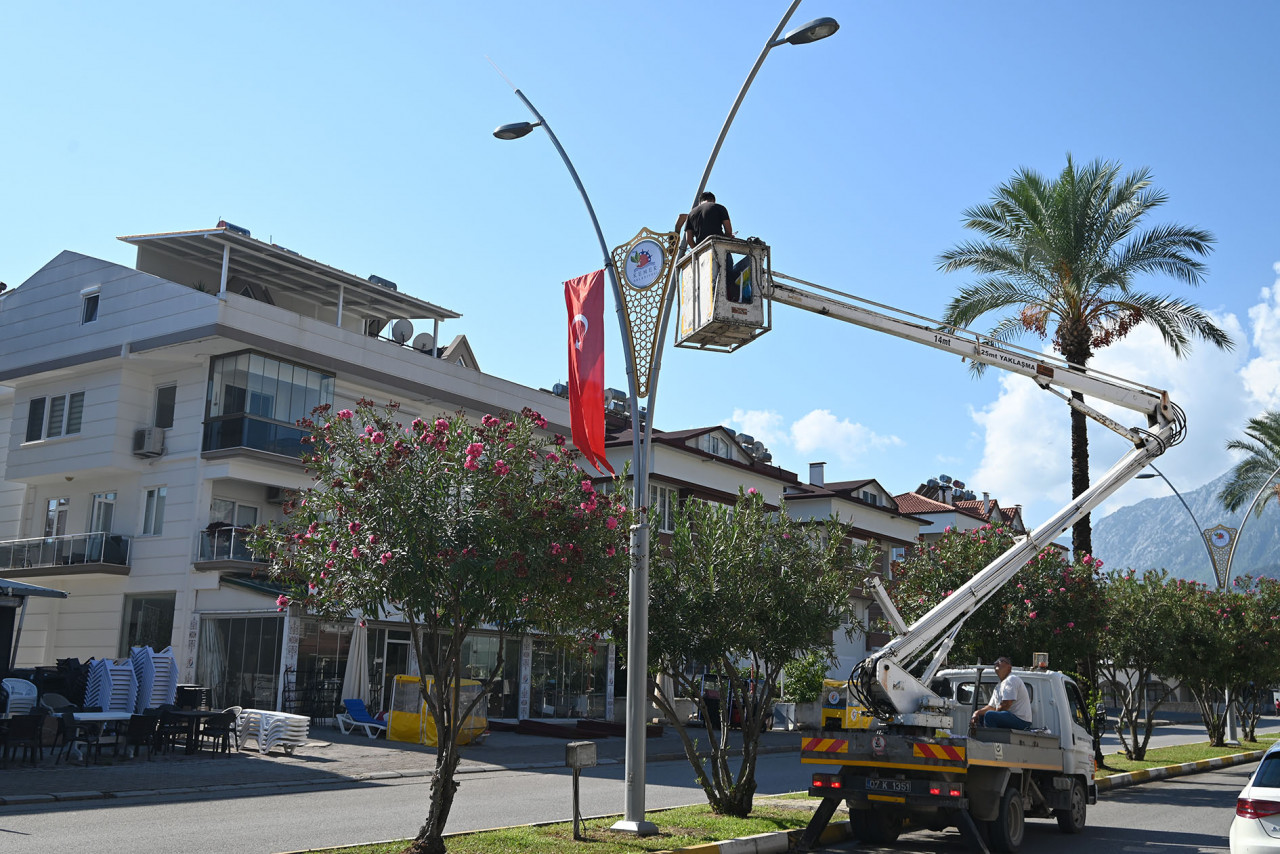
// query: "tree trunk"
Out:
[430,838]
[1082,531]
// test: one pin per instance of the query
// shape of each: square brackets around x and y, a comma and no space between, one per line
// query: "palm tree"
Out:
[1253,474]
[1061,256]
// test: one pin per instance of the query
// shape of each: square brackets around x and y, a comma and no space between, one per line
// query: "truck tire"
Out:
[1006,831]
[1071,820]
[873,826]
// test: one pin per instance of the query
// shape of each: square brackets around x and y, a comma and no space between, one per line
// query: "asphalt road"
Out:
[300,819]
[1184,815]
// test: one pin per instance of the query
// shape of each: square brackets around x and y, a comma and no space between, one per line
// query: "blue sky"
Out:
[361,137]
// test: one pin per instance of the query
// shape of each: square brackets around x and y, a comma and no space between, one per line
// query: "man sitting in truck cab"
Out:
[1010,704]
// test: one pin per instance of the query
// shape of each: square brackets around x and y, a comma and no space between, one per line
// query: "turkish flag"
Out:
[584,298]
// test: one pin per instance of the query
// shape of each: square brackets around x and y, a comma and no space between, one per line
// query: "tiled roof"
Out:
[915,504]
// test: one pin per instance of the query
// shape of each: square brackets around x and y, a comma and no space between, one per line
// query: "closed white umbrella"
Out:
[355,679]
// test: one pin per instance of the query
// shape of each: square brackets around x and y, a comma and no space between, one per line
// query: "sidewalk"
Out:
[328,759]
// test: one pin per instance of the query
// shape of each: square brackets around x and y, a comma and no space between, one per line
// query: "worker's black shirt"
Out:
[707,220]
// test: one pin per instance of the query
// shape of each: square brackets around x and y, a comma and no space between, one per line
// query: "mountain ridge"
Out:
[1158,533]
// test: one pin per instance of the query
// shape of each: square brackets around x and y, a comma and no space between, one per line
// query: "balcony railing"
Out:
[225,544]
[246,431]
[66,550]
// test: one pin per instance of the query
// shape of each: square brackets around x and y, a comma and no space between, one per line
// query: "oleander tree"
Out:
[449,525]
[741,592]
[1138,655]
[1050,605]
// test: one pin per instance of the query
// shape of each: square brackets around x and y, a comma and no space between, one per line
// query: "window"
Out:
[871,498]
[148,621]
[89,308]
[717,446]
[662,505]
[55,521]
[253,384]
[233,513]
[166,395]
[103,512]
[50,417]
[153,511]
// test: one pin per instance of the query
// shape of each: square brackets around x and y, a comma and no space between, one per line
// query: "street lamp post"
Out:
[633,820]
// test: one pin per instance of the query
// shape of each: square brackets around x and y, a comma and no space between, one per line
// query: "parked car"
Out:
[1256,827]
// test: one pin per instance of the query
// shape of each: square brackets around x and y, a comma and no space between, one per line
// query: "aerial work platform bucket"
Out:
[722,300]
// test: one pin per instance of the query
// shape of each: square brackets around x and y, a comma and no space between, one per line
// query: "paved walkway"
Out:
[330,758]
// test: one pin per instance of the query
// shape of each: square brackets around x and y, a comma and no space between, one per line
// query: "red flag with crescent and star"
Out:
[584,298]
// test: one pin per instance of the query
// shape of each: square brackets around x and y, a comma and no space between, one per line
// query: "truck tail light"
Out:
[947,791]
[1251,808]
[826,781]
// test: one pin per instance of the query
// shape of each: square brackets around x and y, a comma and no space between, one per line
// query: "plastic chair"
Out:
[55,702]
[140,732]
[25,731]
[74,732]
[169,729]
[218,728]
[357,715]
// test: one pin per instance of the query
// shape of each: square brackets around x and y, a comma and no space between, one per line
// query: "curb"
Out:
[768,843]
[1133,778]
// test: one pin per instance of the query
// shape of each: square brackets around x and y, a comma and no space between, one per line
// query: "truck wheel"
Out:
[1006,830]
[873,826]
[1071,820]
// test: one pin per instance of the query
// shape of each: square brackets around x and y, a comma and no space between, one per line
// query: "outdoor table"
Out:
[193,717]
[100,717]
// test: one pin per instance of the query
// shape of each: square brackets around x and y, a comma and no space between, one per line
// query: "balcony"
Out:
[238,433]
[70,554]
[225,548]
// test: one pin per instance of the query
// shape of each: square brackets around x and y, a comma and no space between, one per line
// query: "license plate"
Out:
[888,785]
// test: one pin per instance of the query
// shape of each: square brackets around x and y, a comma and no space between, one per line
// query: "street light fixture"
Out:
[633,820]
[816,30]
[515,130]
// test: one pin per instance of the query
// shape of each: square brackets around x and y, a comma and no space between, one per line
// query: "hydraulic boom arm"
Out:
[883,683]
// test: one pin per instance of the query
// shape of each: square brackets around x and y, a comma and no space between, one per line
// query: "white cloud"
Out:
[1026,444]
[822,433]
[1262,374]
[765,424]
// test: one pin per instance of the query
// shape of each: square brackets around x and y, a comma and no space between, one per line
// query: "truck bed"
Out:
[888,752]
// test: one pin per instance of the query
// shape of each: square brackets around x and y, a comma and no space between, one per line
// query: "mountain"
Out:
[1158,534]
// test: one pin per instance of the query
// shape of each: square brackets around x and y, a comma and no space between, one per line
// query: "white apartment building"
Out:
[149,418]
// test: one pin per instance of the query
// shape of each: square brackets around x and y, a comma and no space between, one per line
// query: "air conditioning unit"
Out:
[277,495]
[148,442]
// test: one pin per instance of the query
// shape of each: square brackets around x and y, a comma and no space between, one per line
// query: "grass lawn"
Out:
[678,828]
[1160,756]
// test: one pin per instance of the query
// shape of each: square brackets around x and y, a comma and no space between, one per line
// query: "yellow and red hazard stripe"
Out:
[938,751]
[824,745]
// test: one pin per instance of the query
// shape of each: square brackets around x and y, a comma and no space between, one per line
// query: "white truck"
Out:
[919,765]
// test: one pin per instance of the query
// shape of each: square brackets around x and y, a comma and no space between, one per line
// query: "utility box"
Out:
[580,754]
[722,284]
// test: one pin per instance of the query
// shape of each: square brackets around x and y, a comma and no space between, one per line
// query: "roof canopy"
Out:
[9,587]
[285,271]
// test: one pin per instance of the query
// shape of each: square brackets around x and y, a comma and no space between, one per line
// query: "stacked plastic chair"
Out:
[157,675]
[22,697]
[273,729]
[112,686]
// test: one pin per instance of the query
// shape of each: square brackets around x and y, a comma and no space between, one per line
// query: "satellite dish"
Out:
[424,342]
[401,331]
